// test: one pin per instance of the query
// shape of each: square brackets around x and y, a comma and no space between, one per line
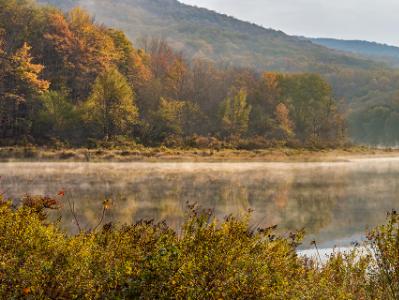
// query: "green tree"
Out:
[235,113]
[111,105]
[312,108]
[176,119]
[171,115]
[57,117]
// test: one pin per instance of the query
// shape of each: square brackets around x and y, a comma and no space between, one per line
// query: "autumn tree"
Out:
[27,73]
[23,21]
[133,63]
[61,53]
[312,107]
[20,87]
[206,78]
[209,89]
[235,113]
[97,75]
[285,127]
[111,105]
[267,94]
[76,51]
[177,78]
[169,67]
[96,50]
[162,56]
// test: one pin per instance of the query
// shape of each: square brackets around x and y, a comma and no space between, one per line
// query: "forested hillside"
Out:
[201,33]
[66,80]
[359,84]
[385,53]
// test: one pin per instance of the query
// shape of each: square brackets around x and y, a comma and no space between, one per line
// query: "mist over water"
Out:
[334,202]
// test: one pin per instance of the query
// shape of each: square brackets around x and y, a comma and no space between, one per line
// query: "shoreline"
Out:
[33,154]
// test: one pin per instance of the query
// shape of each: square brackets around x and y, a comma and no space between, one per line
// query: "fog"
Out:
[334,202]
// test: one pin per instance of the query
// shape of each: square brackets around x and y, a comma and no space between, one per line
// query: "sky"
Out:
[372,20]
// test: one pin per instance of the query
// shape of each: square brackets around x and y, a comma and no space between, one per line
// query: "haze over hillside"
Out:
[358,82]
[372,50]
[201,33]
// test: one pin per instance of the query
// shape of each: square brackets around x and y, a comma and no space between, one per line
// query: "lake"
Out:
[335,202]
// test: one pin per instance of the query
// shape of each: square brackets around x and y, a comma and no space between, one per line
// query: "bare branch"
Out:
[101,220]
[72,210]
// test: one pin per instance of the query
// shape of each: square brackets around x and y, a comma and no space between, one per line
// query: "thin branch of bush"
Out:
[314,243]
[71,205]
[106,205]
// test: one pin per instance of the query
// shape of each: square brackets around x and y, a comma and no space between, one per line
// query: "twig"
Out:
[101,220]
[317,251]
[72,209]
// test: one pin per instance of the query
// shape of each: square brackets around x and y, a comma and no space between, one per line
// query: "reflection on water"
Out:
[334,202]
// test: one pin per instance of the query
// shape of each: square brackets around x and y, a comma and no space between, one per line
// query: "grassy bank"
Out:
[205,259]
[205,155]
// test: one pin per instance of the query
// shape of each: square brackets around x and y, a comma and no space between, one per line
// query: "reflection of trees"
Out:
[232,198]
[312,213]
[326,201]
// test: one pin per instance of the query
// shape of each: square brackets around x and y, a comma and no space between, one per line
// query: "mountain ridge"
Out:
[202,33]
[369,49]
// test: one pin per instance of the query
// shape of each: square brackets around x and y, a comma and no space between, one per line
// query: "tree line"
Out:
[66,80]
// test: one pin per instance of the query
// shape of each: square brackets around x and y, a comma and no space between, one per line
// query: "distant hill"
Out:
[371,50]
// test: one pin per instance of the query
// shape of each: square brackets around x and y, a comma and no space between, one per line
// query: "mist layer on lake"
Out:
[334,202]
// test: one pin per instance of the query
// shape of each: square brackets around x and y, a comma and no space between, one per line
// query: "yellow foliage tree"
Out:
[235,113]
[27,71]
[285,125]
[111,105]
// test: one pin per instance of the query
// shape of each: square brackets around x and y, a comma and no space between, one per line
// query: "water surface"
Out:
[334,202]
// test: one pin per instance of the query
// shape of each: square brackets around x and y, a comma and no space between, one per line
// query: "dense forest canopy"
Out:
[66,78]
[360,82]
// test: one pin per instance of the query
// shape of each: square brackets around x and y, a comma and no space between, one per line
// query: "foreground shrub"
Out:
[205,259]
[384,242]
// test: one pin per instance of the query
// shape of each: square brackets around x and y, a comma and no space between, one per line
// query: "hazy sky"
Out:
[374,20]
